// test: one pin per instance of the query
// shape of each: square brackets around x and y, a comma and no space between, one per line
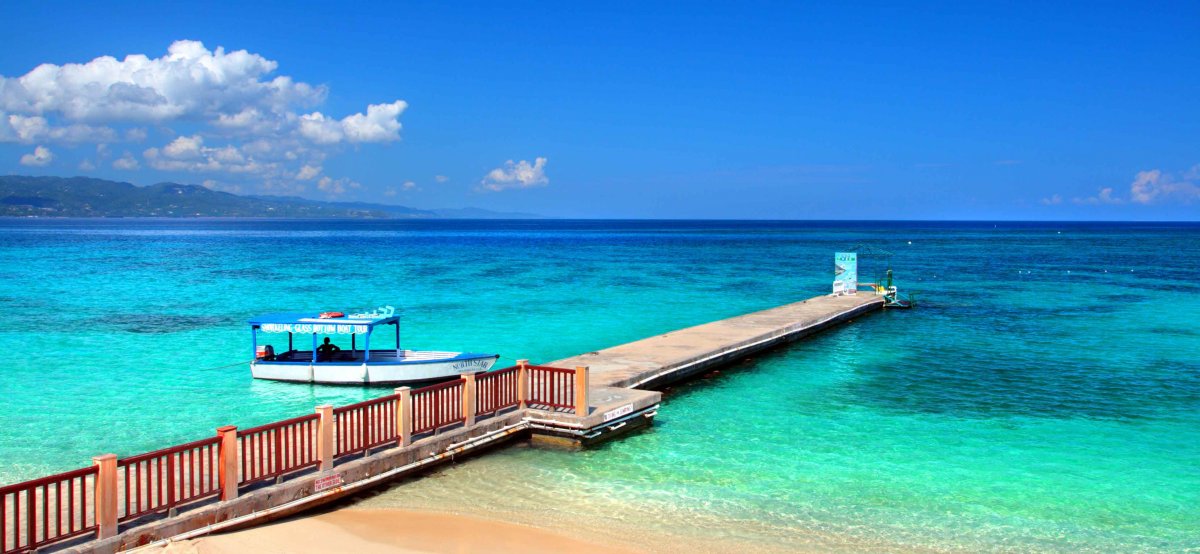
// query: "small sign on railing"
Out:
[328,482]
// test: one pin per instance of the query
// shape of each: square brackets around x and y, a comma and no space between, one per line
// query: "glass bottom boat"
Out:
[326,362]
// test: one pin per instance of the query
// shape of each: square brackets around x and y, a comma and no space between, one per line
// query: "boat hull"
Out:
[417,369]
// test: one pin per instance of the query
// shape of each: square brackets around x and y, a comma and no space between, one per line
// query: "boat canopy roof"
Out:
[312,322]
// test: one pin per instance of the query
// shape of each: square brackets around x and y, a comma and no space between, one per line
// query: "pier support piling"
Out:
[325,437]
[404,416]
[105,496]
[227,458]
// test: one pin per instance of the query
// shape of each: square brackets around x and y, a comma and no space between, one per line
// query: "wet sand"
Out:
[369,531]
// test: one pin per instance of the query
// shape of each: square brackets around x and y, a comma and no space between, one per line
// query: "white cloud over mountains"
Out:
[517,175]
[240,117]
[126,162]
[39,157]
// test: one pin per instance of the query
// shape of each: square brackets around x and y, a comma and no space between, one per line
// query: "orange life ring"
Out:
[331,315]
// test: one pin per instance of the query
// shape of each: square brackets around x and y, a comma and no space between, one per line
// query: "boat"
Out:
[334,365]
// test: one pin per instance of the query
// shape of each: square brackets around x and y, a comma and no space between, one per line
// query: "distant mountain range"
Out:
[23,196]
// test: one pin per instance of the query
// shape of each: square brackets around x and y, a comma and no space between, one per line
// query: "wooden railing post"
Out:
[581,390]
[522,382]
[404,415]
[227,456]
[105,496]
[470,391]
[325,437]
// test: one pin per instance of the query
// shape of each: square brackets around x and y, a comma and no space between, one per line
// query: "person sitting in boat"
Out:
[326,351]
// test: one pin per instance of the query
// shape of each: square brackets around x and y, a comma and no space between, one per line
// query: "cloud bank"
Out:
[240,118]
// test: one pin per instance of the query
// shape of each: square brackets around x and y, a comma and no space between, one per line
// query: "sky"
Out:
[739,110]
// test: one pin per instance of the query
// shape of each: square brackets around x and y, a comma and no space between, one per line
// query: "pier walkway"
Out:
[664,359]
[241,477]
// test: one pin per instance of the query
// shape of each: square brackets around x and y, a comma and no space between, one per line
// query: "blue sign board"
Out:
[845,272]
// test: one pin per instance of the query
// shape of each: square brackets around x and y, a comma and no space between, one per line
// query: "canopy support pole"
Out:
[314,348]
[254,340]
[290,348]
[367,347]
[397,324]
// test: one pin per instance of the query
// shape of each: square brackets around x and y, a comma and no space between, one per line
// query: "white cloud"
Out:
[1153,187]
[521,174]
[320,129]
[441,178]
[184,148]
[126,162]
[1052,200]
[1192,174]
[190,81]
[31,129]
[136,134]
[407,186]
[190,154]
[40,157]
[335,187]
[86,165]
[239,115]
[308,172]
[213,184]
[381,123]
[1105,196]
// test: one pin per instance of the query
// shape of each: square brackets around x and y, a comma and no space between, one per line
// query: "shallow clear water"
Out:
[1044,396]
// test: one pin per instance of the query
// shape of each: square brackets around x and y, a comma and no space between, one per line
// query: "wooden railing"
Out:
[279,448]
[95,499]
[163,479]
[496,390]
[551,388]
[46,510]
[437,406]
[365,425]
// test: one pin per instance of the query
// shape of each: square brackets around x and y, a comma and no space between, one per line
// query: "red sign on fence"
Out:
[328,482]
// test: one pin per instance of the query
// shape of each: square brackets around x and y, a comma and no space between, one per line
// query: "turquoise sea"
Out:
[1044,396]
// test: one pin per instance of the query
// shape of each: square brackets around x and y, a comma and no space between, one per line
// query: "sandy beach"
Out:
[369,531]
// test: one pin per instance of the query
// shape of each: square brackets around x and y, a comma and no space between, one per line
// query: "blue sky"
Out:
[640,110]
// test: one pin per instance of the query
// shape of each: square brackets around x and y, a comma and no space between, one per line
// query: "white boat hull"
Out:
[410,367]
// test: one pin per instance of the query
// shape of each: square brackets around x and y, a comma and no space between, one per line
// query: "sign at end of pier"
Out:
[328,482]
[614,414]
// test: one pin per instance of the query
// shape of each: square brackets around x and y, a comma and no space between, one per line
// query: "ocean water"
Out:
[1044,395]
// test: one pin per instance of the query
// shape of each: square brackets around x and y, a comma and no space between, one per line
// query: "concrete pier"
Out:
[613,394]
[659,361]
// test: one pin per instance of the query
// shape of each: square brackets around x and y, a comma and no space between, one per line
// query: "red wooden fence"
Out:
[365,425]
[55,508]
[437,406]
[160,480]
[46,510]
[274,449]
[551,387]
[496,390]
